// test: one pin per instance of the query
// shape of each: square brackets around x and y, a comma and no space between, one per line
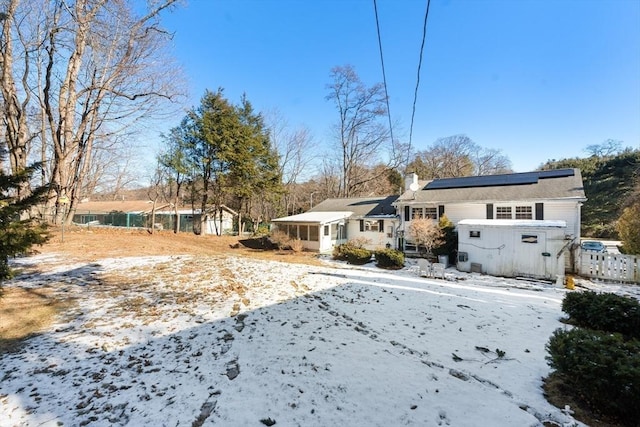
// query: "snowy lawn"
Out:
[229,341]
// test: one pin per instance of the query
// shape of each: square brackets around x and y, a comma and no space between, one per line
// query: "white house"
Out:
[541,195]
[513,248]
[335,221]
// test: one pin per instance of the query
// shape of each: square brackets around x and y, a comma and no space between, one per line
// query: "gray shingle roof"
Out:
[360,206]
[540,185]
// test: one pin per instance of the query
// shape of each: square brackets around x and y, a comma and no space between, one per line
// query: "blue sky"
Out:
[536,79]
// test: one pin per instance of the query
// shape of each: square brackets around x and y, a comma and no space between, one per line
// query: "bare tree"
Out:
[489,161]
[155,192]
[609,147]
[295,151]
[426,232]
[362,135]
[111,170]
[14,101]
[91,69]
[456,156]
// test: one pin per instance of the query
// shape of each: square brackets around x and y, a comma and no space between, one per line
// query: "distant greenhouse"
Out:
[137,214]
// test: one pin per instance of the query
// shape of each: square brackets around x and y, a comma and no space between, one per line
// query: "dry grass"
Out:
[24,312]
[93,244]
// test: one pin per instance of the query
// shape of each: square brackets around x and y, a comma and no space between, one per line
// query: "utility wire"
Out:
[384,76]
[415,95]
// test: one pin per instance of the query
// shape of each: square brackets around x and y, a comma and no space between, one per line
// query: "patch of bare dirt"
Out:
[559,394]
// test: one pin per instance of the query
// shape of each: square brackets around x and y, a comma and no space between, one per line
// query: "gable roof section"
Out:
[539,185]
[315,217]
[371,207]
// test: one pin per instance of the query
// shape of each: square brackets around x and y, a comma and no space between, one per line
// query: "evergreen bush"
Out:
[449,245]
[352,253]
[602,368]
[604,311]
[389,258]
[19,232]
[358,256]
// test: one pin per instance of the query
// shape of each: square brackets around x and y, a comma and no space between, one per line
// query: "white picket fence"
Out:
[617,267]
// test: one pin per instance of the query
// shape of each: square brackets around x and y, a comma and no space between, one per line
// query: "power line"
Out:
[384,76]
[415,95]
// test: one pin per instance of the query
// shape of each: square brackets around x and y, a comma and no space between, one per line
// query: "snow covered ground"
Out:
[227,341]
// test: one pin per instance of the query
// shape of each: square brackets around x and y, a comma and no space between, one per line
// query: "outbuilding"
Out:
[513,248]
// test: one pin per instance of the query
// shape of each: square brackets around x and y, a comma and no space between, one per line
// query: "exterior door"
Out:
[530,258]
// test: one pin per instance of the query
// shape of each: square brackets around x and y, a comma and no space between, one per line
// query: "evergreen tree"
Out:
[227,151]
[17,232]
[608,182]
[628,225]
[255,172]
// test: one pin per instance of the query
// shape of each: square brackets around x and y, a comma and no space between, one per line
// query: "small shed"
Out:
[513,248]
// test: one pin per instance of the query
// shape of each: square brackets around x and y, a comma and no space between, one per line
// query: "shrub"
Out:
[280,239]
[296,245]
[449,246]
[604,311]
[358,256]
[601,368]
[262,230]
[352,253]
[389,258]
[340,252]
[426,232]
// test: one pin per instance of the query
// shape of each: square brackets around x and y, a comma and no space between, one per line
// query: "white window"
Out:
[474,234]
[371,226]
[524,212]
[503,212]
[514,212]
[431,213]
[416,213]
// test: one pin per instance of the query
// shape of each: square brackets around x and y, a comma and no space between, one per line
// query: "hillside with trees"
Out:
[611,179]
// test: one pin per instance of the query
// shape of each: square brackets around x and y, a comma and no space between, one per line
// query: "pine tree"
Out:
[17,232]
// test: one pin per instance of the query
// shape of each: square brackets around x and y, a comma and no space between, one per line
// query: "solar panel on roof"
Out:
[483,181]
[497,180]
[556,173]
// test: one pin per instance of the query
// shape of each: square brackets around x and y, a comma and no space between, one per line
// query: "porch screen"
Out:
[313,233]
[304,232]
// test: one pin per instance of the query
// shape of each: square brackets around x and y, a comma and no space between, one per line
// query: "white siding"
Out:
[375,239]
[458,212]
[566,211]
[502,251]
